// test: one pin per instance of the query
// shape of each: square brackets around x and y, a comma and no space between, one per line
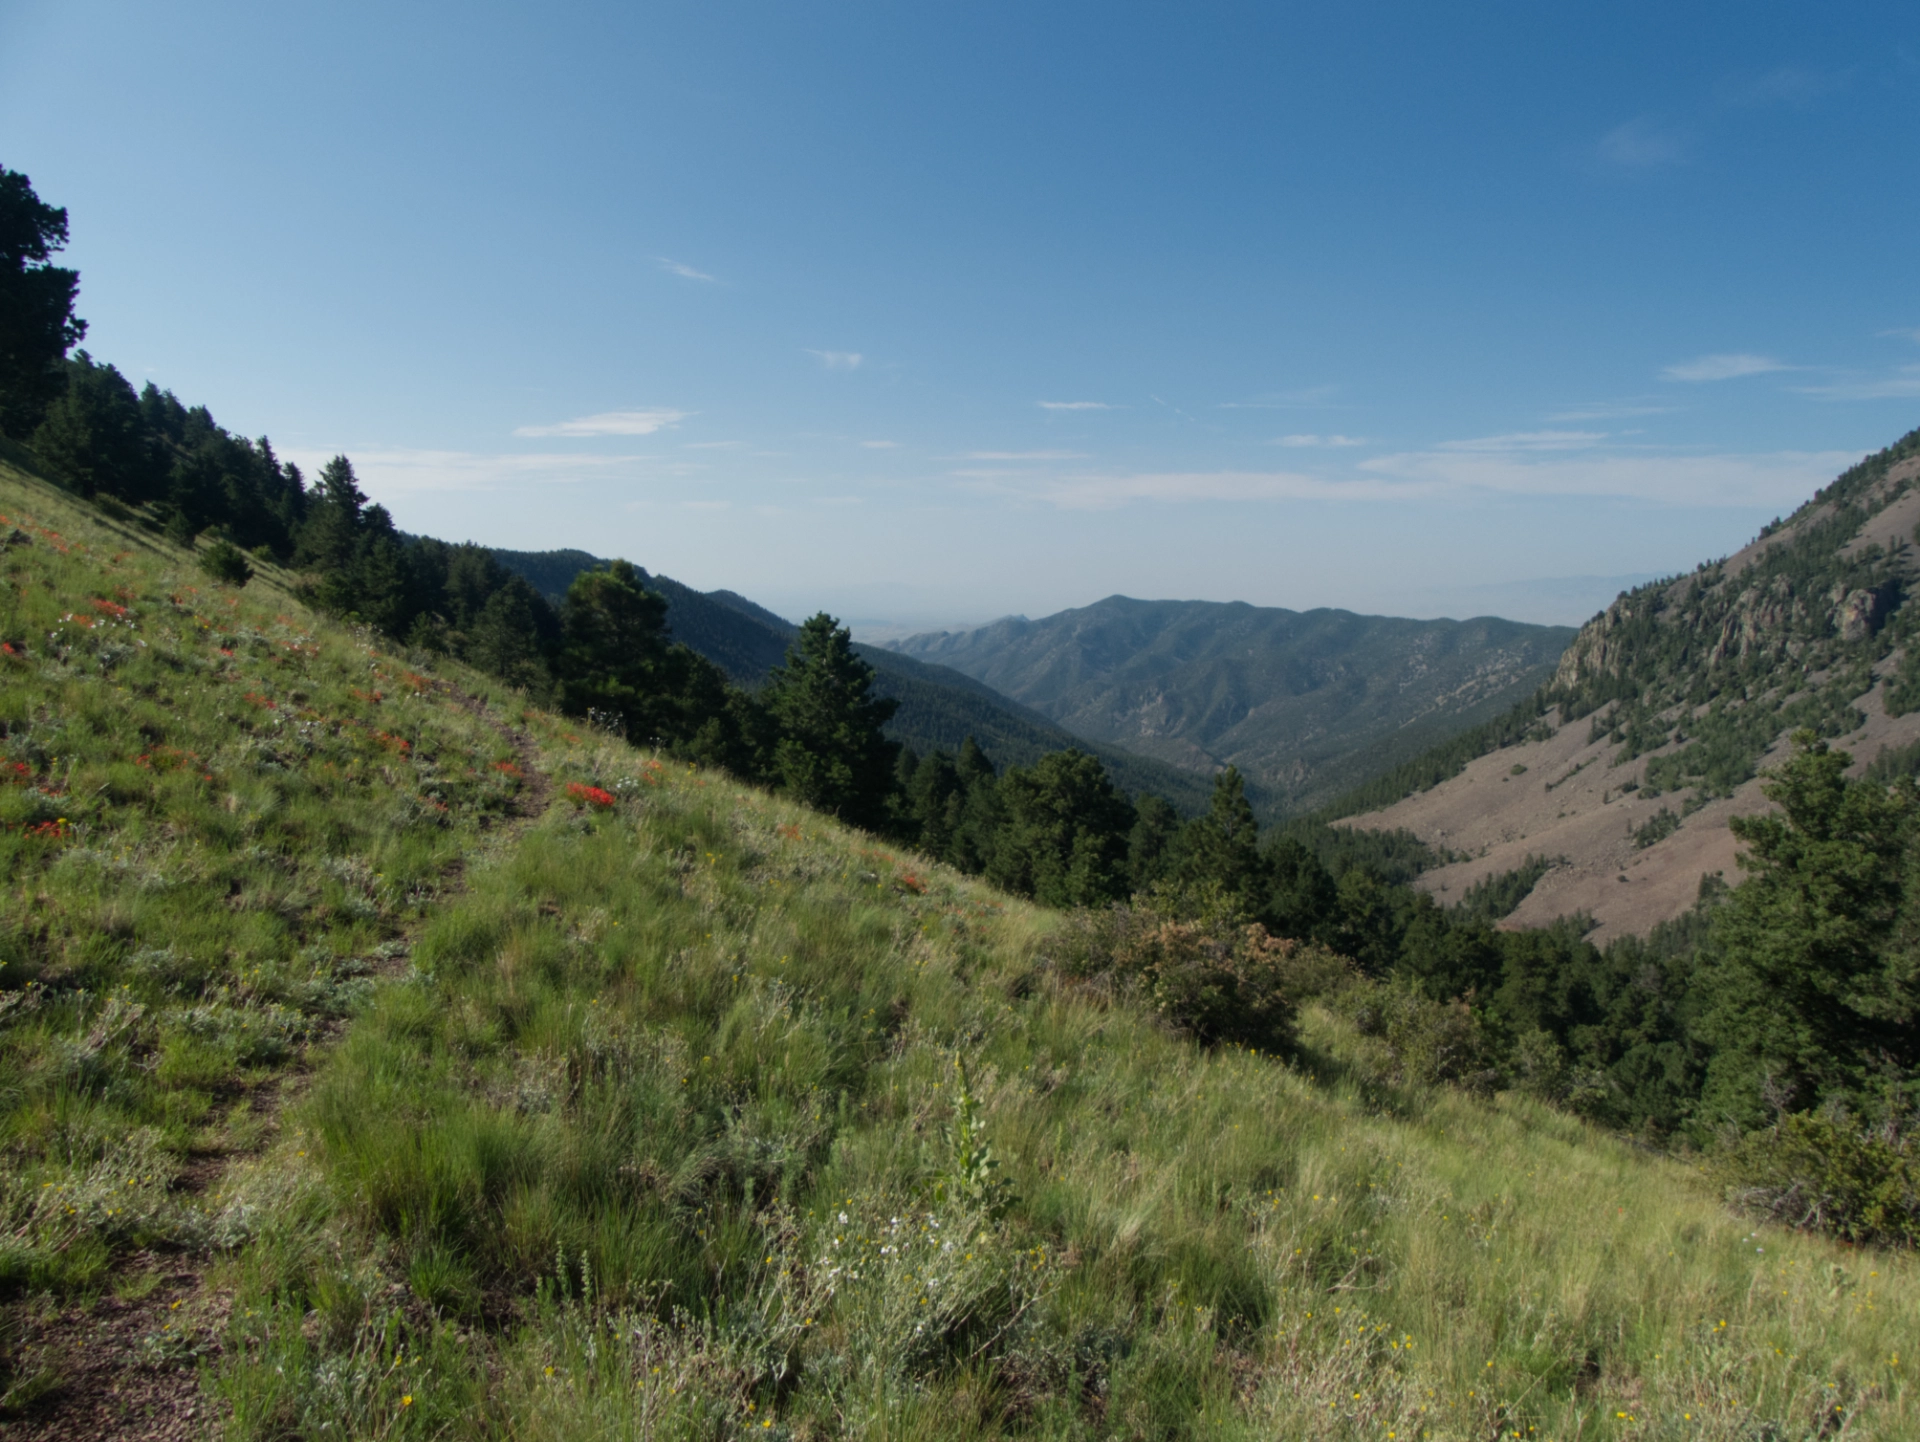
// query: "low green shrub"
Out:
[1428,1041]
[1215,980]
[1829,1174]
[226,563]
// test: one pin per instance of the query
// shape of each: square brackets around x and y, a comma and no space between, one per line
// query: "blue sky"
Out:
[928,313]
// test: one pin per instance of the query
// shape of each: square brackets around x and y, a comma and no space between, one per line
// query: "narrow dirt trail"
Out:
[125,1367]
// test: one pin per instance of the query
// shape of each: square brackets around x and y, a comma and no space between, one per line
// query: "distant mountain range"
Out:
[1306,704]
[939,707]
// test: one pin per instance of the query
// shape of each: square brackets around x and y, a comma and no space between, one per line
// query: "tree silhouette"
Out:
[37,323]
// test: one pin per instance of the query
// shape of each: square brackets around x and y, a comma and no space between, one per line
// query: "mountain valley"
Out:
[1306,704]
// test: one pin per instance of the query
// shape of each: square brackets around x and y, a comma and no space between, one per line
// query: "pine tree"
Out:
[1813,968]
[1153,845]
[831,751]
[1221,852]
[333,525]
[37,323]
[93,437]
[1063,839]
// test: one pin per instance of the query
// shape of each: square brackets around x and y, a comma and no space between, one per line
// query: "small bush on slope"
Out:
[653,1142]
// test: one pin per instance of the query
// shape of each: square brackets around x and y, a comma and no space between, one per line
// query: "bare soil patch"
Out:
[1563,798]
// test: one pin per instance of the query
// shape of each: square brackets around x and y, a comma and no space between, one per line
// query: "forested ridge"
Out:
[1304,703]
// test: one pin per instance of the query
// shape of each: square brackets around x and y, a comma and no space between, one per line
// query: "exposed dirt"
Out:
[125,1366]
[1568,802]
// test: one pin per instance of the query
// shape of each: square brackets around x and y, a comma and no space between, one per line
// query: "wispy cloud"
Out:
[1639,145]
[1911,333]
[1318,442]
[1073,405]
[1528,441]
[1897,385]
[834,500]
[1524,464]
[712,445]
[609,423]
[1723,367]
[879,445]
[1025,456]
[1612,411]
[1775,479]
[685,272]
[1789,85]
[838,360]
[1306,398]
[1109,492]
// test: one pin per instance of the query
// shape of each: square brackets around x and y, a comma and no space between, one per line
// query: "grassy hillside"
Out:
[939,707]
[1305,703]
[615,1099]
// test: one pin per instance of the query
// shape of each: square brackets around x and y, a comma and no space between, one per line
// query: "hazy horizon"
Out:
[939,316]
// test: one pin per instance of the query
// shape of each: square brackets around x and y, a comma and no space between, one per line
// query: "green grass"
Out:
[647,1129]
[671,1089]
[216,821]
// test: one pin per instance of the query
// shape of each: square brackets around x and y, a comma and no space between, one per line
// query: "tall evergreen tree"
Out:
[1153,845]
[1063,836]
[831,752]
[1301,897]
[37,323]
[334,518]
[93,436]
[1814,975]
[1221,850]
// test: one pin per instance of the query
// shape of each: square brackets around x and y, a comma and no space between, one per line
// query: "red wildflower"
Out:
[582,794]
[508,768]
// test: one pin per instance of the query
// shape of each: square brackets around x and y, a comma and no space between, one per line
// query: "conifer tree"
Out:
[1221,849]
[1063,839]
[93,439]
[831,752]
[333,523]
[1814,974]
[37,323]
[1153,844]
